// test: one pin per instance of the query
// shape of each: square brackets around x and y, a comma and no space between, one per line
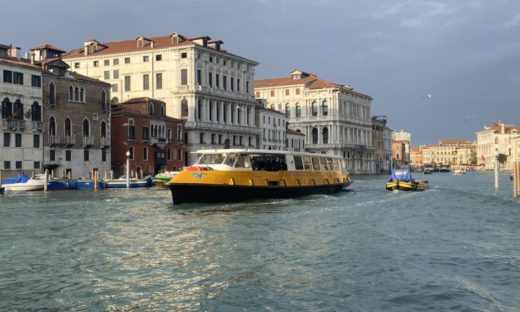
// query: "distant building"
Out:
[273,125]
[416,157]
[155,141]
[21,137]
[401,149]
[77,118]
[493,140]
[334,118]
[382,141]
[295,141]
[199,81]
[454,153]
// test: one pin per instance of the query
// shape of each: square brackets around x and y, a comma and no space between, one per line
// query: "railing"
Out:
[88,141]
[105,141]
[70,140]
[158,140]
[37,125]
[54,140]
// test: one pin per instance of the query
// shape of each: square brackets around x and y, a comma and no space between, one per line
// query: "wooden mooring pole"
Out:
[516,179]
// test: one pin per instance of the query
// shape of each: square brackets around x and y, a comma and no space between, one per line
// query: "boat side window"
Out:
[307,163]
[268,162]
[243,162]
[230,159]
[298,163]
[316,163]
[323,163]
[330,164]
[210,159]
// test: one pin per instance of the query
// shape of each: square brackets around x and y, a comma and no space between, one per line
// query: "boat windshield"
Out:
[210,159]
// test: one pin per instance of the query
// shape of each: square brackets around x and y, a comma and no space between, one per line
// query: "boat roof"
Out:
[261,151]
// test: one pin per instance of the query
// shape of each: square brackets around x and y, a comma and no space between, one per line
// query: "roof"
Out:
[293,132]
[455,142]
[20,62]
[307,80]
[497,128]
[140,100]
[49,47]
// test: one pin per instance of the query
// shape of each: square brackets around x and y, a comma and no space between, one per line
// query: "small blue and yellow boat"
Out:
[402,180]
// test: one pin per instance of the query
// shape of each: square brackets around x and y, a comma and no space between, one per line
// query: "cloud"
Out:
[515,20]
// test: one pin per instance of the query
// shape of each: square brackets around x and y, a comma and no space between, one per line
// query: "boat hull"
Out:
[191,193]
[407,186]
[23,187]
[122,184]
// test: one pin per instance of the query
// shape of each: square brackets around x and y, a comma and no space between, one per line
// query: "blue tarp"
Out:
[18,179]
[402,175]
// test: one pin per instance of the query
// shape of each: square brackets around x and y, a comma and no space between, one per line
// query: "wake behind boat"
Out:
[402,180]
[231,175]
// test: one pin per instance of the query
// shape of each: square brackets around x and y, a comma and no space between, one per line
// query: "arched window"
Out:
[103,100]
[184,108]
[162,110]
[76,94]
[52,93]
[314,108]
[82,95]
[52,126]
[18,110]
[314,136]
[151,109]
[36,112]
[325,108]
[298,110]
[68,128]
[71,93]
[103,129]
[7,109]
[86,128]
[325,135]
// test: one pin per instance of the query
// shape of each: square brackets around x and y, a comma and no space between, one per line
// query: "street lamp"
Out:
[127,169]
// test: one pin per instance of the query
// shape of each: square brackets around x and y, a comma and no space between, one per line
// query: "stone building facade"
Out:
[273,125]
[452,153]
[76,118]
[154,140]
[295,141]
[496,139]
[382,141]
[21,138]
[208,87]
[334,118]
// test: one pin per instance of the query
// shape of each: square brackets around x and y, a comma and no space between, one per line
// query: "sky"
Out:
[438,69]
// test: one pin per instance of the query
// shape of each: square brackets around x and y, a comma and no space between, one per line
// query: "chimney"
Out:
[86,47]
[502,128]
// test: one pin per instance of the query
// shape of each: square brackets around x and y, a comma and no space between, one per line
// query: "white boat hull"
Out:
[24,186]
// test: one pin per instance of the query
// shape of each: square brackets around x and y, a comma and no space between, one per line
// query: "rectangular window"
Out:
[52,155]
[68,155]
[184,76]
[76,65]
[7,165]
[169,154]
[184,55]
[145,153]
[224,82]
[247,87]
[210,79]
[127,83]
[36,141]
[18,140]
[127,60]
[18,78]
[96,63]
[115,87]
[106,62]
[8,76]
[145,58]
[86,154]
[131,150]
[104,154]
[213,138]
[115,61]
[146,135]
[146,82]
[106,74]
[238,84]
[158,57]
[199,77]
[286,92]
[201,138]
[297,91]
[115,74]
[36,165]
[7,139]
[18,164]
[217,80]
[158,80]
[36,81]
[232,84]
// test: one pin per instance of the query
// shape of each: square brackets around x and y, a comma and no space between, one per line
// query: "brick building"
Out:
[154,140]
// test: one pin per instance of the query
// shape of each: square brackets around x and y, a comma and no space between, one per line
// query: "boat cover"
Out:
[19,179]
[402,175]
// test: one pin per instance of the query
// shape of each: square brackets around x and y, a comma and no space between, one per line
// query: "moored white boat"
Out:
[24,183]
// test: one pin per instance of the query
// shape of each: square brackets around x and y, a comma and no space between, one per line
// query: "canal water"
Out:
[455,246]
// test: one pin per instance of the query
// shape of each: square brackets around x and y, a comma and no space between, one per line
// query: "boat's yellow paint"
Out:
[261,178]
[407,186]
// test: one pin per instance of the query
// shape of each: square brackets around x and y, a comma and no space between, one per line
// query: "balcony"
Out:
[70,140]
[88,141]
[54,140]
[37,125]
[13,124]
[158,141]
[104,142]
